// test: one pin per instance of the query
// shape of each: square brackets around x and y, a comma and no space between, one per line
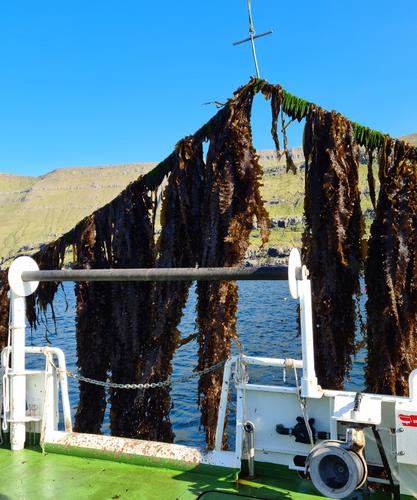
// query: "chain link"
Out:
[153,385]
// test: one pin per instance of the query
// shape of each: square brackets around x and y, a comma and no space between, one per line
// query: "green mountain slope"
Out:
[35,210]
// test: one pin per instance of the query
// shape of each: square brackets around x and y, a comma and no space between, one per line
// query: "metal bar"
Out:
[224,397]
[248,39]
[18,382]
[255,60]
[161,274]
[309,383]
[276,362]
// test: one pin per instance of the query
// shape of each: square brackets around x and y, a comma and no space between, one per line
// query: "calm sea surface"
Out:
[266,326]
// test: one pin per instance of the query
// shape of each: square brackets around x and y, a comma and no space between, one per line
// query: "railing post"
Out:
[19,290]
[309,384]
[300,288]
[17,382]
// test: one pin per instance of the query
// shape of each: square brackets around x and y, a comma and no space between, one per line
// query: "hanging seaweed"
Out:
[50,256]
[4,309]
[232,202]
[179,245]
[93,322]
[391,273]
[274,93]
[132,246]
[129,331]
[332,239]
[288,156]
[370,176]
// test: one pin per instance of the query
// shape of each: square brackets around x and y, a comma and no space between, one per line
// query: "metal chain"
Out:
[152,385]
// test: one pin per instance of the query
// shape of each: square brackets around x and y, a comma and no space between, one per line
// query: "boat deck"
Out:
[30,474]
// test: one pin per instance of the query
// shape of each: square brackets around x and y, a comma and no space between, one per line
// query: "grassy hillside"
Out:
[35,210]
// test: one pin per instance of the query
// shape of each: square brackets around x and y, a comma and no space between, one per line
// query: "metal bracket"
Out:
[18,286]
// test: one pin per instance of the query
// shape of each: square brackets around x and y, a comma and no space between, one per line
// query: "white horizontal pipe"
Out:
[278,362]
[160,274]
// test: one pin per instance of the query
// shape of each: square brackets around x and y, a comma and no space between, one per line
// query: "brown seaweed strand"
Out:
[179,245]
[288,156]
[370,177]
[391,273]
[4,309]
[93,324]
[50,256]
[132,247]
[332,240]
[274,93]
[232,202]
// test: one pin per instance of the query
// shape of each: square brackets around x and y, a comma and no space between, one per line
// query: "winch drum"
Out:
[336,471]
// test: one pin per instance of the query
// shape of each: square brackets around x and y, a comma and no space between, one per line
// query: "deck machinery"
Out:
[336,444]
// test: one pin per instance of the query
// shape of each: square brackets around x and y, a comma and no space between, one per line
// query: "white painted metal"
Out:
[278,362]
[224,396]
[245,360]
[42,389]
[309,383]
[18,286]
[17,382]
[264,405]
[369,413]
[294,265]
[412,383]
[406,426]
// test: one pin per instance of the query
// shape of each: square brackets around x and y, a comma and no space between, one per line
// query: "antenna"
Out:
[251,39]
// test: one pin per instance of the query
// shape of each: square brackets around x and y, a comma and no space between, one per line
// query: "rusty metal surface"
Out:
[117,447]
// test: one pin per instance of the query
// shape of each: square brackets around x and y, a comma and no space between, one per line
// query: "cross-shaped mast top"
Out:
[251,39]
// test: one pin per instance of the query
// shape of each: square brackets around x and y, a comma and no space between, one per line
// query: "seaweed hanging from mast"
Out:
[209,208]
[391,273]
[332,240]
[232,203]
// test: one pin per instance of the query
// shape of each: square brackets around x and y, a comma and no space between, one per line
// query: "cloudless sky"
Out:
[89,82]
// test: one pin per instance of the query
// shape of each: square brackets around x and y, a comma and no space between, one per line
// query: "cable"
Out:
[303,407]
[394,488]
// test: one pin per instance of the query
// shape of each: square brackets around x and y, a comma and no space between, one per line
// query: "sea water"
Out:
[267,326]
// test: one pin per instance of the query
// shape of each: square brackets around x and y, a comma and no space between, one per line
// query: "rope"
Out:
[303,407]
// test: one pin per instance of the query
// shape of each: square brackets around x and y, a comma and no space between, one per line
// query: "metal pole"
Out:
[162,274]
[309,384]
[252,37]
[252,40]
[17,382]
[255,60]
[249,429]
[224,396]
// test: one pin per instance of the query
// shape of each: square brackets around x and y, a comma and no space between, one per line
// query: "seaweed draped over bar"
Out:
[231,203]
[128,332]
[391,273]
[332,239]
[4,309]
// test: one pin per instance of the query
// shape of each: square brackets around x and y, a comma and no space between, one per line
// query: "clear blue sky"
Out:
[88,82]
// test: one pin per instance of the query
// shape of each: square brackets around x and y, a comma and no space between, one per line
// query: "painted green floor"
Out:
[31,475]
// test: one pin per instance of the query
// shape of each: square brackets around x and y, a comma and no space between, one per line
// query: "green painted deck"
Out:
[31,475]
